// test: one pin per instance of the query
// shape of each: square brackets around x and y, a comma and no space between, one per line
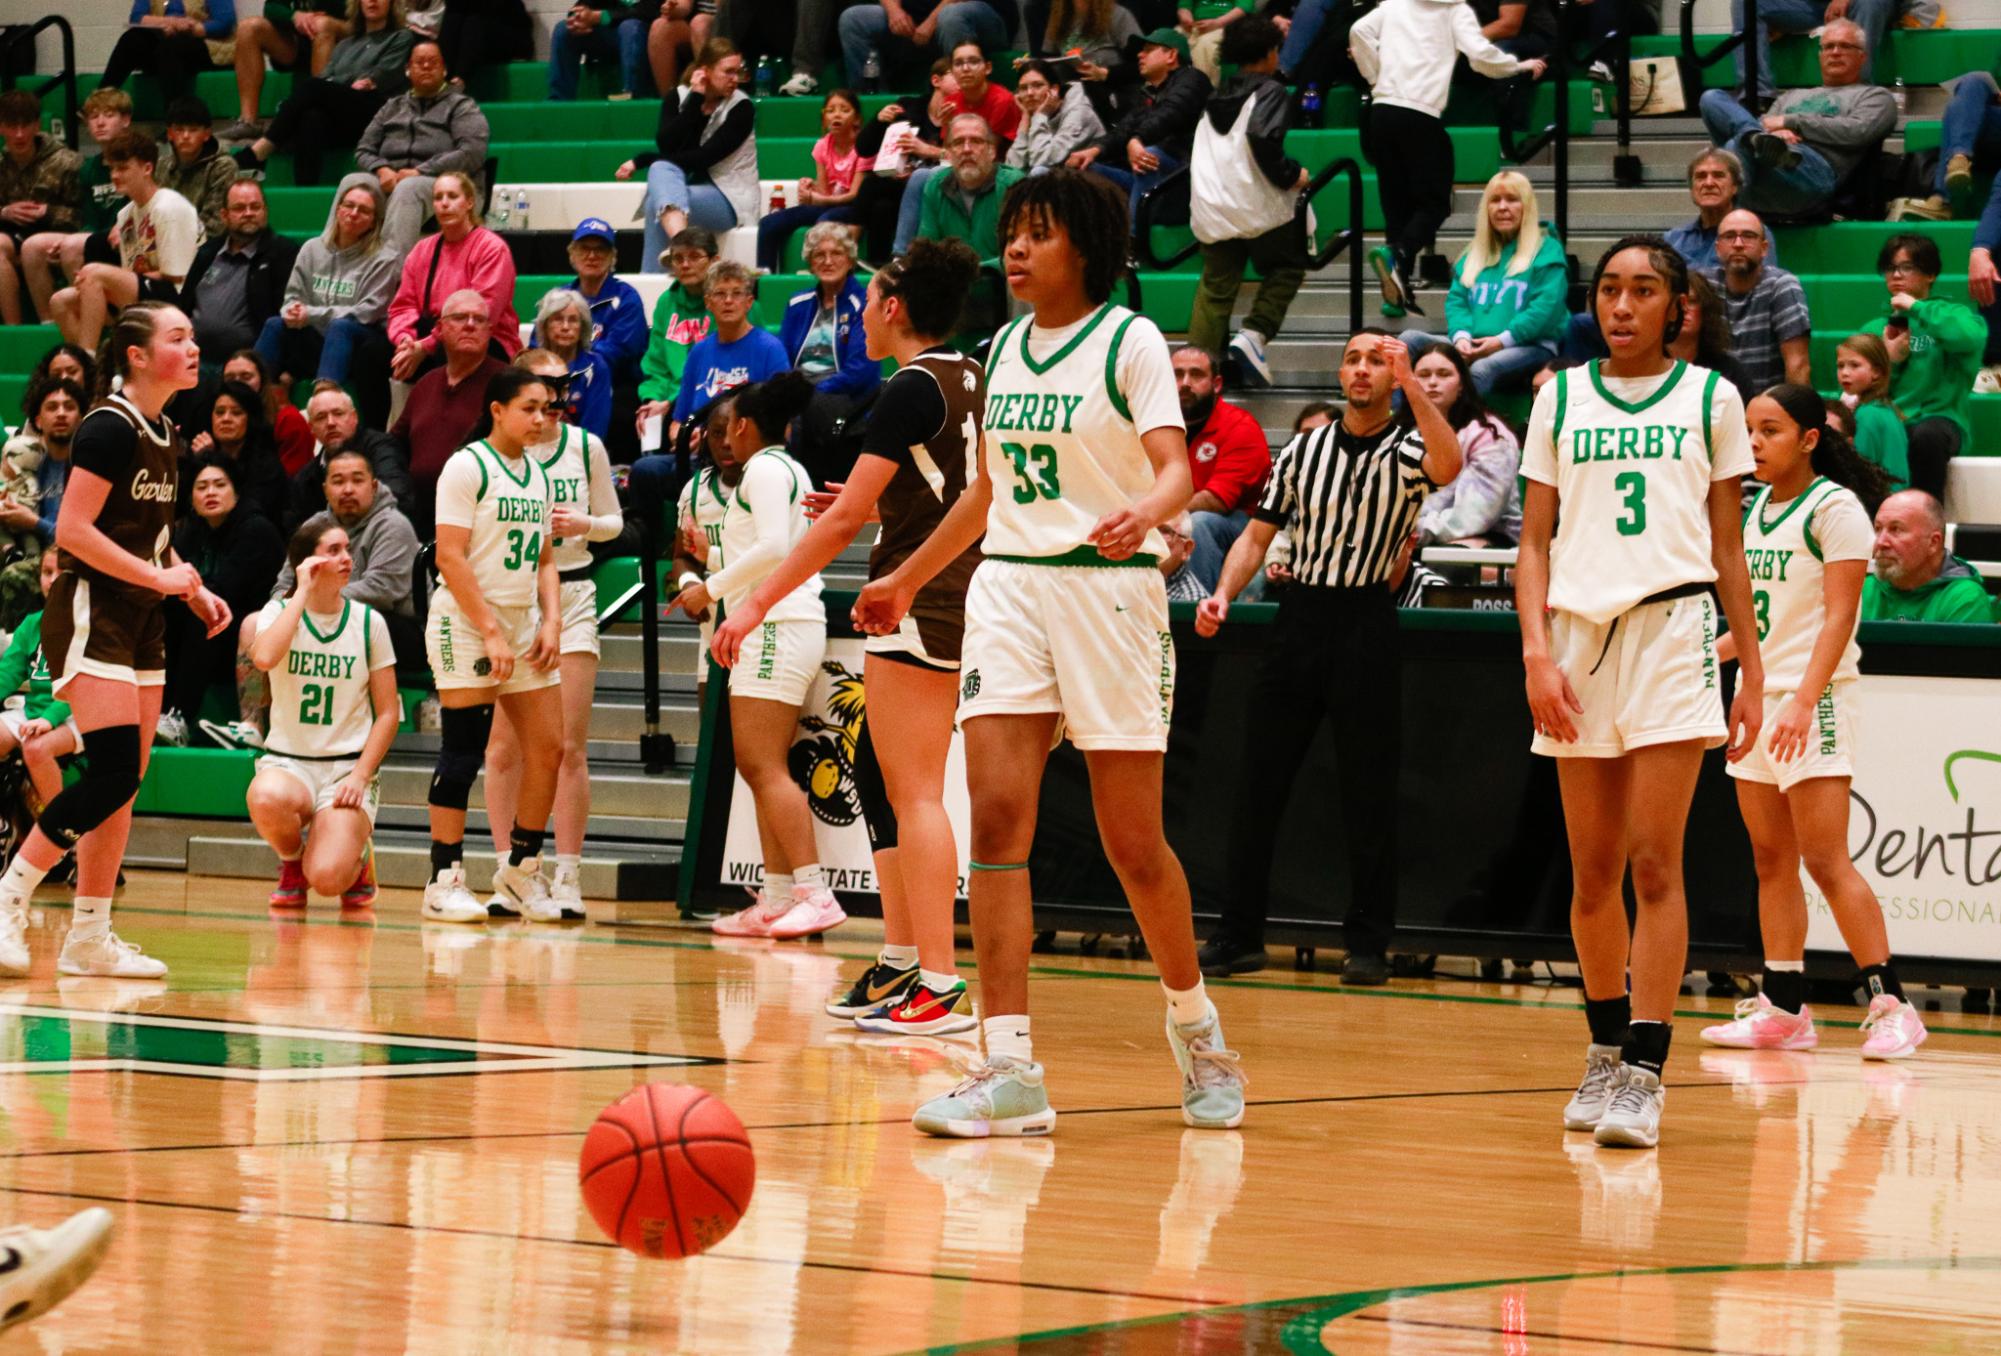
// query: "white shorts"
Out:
[457,651]
[779,661]
[1647,677]
[1830,742]
[1087,642]
[579,602]
[14,720]
[321,777]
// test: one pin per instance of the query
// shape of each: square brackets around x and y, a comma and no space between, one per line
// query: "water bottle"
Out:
[872,72]
[1900,96]
[767,77]
[521,209]
[501,213]
[1309,106]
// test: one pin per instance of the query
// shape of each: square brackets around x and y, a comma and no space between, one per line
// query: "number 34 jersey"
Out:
[320,704]
[1065,411]
[505,504]
[1632,460]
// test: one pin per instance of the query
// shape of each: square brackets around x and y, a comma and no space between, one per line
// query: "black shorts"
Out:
[98,249]
[158,289]
[98,629]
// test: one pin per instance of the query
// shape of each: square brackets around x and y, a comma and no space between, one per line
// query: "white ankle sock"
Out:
[897,957]
[1797,967]
[90,917]
[21,877]
[569,863]
[1008,1037]
[777,886]
[808,877]
[1188,1006]
[936,982]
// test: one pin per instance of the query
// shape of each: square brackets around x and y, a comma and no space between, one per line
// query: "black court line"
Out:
[1621,1343]
[607,1245]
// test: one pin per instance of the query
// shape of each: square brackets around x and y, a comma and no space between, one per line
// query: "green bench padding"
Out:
[206,782]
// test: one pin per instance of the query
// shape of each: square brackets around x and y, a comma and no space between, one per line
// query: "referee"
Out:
[1348,495]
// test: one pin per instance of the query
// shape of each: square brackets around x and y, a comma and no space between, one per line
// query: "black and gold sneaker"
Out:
[880,986]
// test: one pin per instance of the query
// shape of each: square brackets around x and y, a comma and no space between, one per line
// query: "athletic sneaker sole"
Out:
[1790,1043]
[1009,1127]
[1888,1055]
[55,1278]
[1626,1137]
[1189,1118]
[937,1026]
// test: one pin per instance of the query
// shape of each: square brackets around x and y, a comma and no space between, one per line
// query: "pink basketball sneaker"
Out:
[1761,1025]
[1893,1027]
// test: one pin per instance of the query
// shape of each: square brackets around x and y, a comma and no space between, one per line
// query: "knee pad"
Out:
[110,779]
[463,732]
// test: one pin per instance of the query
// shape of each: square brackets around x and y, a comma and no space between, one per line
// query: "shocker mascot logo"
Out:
[824,764]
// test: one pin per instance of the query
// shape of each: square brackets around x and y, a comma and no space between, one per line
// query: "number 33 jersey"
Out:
[320,704]
[504,504]
[1632,460]
[1065,411]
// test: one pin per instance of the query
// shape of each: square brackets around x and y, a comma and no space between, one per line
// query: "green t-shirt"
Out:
[1880,438]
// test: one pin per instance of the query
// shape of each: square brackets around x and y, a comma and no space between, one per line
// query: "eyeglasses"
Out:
[462,318]
[968,63]
[1751,236]
[727,294]
[1902,267]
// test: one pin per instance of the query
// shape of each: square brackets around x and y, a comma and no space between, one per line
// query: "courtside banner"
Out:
[823,752]
[1924,823]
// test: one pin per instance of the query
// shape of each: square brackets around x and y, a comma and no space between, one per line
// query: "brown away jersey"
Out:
[928,421]
[142,462]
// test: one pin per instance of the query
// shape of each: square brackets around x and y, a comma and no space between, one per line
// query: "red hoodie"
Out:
[481,262]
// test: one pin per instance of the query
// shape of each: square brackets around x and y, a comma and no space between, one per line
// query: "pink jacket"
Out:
[481,262]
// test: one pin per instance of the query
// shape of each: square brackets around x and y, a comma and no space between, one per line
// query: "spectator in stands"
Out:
[563,326]
[462,256]
[1509,303]
[238,552]
[158,233]
[705,169]
[1057,120]
[896,188]
[964,203]
[336,429]
[1969,139]
[239,433]
[289,430]
[1705,338]
[192,163]
[298,38]
[979,94]
[822,333]
[1177,567]
[1764,306]
[331,111]
[897,32]
[674,35]
[417,138]
[48,255]
[618,312]
[1800,152]
[680,321]
[1912,578]
[479,33]
[603,30]
[1098,34]
[1862,367]
[69,362]
[830,194]
[1483,505]
[1154,137]
[1406,49]
[1204,22]
[446,403]
[1871,19]
[1522,28]
[174,41]
[1935,348]
[238,278]
[734,352]
[1316,47]
[53,408]
[1245,205]
[39,190]
[1715,178]
[41,729]
[336,301]
[1228,460]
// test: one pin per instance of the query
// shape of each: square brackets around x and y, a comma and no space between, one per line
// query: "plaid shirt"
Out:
[1773,311]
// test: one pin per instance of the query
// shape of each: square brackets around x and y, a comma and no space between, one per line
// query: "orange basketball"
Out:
[667,1170]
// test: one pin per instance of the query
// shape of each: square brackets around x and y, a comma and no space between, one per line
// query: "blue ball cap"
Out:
[594,228]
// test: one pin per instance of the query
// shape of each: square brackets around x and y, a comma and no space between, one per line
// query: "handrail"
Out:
[1615,47]
[65,78]
[1349,239]
[1741,38]
[1151,204]
[656,750]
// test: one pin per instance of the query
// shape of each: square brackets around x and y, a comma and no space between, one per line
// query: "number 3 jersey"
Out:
[1632,460]
[1788,547]
[1065,411]
[320,704]
[505,505]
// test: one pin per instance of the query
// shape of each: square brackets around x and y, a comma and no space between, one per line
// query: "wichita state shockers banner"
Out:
[823,751]
[1924,821]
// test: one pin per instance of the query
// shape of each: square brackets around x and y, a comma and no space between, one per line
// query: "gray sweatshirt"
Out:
[444,132]
[356,282]
[384,546]
[1839,121]
[1044,142]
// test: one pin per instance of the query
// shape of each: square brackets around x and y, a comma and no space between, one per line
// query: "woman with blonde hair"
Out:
[338,295]
[563,326]
[1509,303]
[1862,367]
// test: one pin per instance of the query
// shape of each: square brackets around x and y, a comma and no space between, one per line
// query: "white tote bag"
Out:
[1229,198]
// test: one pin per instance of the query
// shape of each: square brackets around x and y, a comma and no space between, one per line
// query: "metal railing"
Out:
[1615,49]
[1699,61]
[64,79]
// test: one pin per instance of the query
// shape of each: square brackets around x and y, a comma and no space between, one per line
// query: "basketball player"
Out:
[1084,456]
[104,636]
[586,510]
[919,452]
[1808,539]
[704,501]
[334,711]
[763,519]
[1632,516]
[493,638]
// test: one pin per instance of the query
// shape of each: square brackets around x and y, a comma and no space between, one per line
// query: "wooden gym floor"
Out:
[351,1137]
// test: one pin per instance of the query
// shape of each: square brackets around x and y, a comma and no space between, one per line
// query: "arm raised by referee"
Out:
[1348,495]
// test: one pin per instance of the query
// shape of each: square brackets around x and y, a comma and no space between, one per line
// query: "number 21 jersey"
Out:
[320,703]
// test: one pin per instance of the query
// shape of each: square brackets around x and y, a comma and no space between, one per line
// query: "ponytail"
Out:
[1833,455]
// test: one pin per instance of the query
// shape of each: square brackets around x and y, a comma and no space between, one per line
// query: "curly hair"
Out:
[1086,208]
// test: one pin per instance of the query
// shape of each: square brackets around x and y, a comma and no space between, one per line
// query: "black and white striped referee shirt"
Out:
[1347,502]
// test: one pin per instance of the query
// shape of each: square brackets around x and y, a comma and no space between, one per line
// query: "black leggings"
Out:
[320,115]
[195,661]
[1413,159]
[174,59]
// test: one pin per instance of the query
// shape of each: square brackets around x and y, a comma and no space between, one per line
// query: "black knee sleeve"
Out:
[461,754]
[876,812]
[110,778]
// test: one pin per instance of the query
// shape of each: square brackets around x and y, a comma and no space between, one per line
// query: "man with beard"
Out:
[1766,306]
[1911,578]
[1228,460]
[337,428]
